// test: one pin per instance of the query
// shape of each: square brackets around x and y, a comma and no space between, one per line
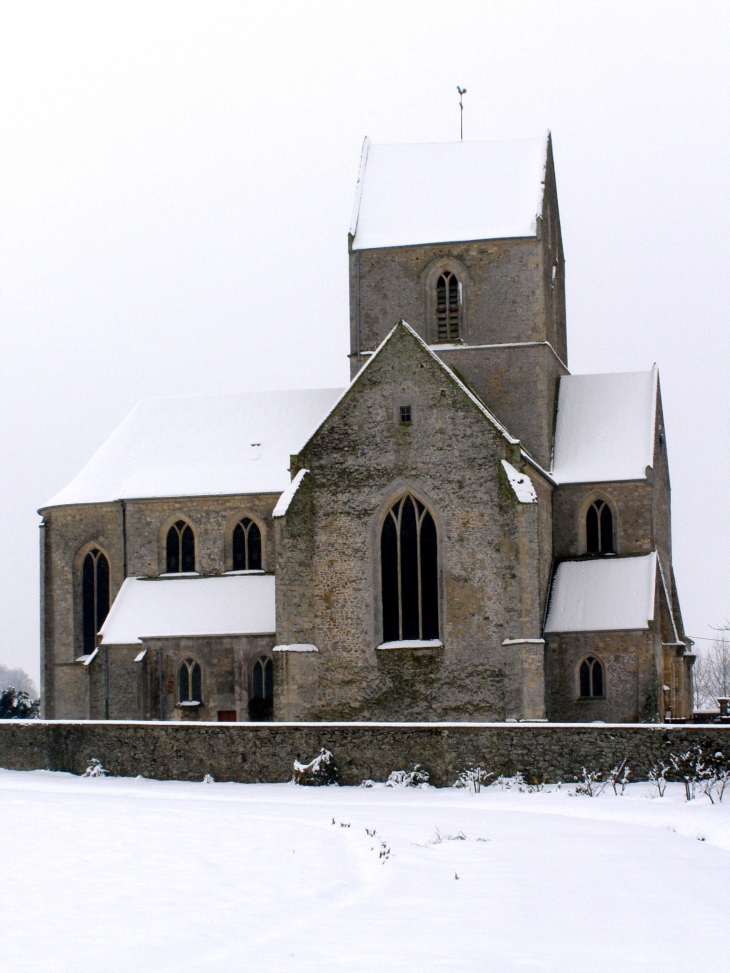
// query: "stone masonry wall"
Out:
[70,531]
[264,752]
[330,557]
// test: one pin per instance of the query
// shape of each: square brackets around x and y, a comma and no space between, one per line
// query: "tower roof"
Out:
[443,192]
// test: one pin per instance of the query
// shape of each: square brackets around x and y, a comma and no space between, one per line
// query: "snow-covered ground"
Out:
[138,876]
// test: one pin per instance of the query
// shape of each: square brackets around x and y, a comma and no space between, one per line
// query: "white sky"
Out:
[176,184]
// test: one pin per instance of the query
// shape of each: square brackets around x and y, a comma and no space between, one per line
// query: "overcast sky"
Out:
[176,184]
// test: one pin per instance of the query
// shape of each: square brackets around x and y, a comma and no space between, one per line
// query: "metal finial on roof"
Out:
[462,92]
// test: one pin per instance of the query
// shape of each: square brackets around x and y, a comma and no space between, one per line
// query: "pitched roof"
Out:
[167,607]
[440,192]
[605,427]
[201,445]
[453,377]
[605,594]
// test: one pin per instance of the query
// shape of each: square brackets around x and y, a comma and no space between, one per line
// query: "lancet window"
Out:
[95,596]
[261,704]
[599,528]
[246,546]
[409,567]
[590,676]
[189,680]
[180,548]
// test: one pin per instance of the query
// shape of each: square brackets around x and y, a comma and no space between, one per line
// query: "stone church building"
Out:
[466,532]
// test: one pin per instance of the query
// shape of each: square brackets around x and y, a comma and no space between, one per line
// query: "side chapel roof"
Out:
[201,445]
[605,427]
[441,192]
[603,595]
[177,607]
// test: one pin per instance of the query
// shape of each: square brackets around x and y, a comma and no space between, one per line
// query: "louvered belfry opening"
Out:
[95,597]
[409,564]
[447,306]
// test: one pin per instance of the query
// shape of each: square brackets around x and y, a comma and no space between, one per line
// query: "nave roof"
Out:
[201,445]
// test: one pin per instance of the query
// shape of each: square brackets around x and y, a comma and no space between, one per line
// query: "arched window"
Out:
[599,528]
[448,303]
[94,597]
[261,704]
[591,677]
[246,546]
[189,682]
[180,548]
[408,556]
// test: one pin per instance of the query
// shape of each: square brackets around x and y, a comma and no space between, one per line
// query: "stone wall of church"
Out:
[632,663]
[68,691]
[328,590]
[632,503]
[519,385]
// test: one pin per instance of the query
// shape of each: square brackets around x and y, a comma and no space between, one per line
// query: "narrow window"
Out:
[180,548]
[591,677]
[448,294]
[190,682]
[246,546]
[599,528]
[94,597]
[261,704]
[405,415]
[409,563]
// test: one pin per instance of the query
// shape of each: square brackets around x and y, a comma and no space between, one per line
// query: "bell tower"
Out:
[462,240]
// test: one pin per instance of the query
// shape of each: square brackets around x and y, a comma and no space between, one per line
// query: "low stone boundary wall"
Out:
[264,752]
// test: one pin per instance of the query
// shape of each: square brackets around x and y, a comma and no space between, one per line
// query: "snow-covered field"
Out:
[138,876]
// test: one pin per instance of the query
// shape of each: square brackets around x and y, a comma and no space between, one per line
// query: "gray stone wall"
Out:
[328,585]
[632,503]
[632,664]
[69,532]
[264,752]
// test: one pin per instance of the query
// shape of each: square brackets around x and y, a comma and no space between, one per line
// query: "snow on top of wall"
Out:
[605,427]
[159,607]
[201,445]
[603,595]
[521,483]
[282,504]
[439,192]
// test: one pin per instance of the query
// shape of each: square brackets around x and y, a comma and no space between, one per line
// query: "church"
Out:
[467,532]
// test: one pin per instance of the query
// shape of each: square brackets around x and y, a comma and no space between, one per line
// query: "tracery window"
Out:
[409,563]
[599,528]
[261,704]
[448,305]
[246,546]
[94,597]
[180,548]
[591,677]
[189,682]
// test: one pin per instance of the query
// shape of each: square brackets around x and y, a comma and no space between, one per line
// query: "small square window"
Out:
[405,415]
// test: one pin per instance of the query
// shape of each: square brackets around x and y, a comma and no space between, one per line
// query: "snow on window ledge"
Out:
[413,644]
[88,659]
[180,574]
[190,702]
[236,574]
[296,647]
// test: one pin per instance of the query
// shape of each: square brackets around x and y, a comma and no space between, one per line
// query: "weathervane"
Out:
[462,92]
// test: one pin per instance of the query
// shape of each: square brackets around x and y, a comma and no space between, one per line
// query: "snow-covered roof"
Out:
[605,427]
[201,445]
[440,192]
[605,594]
[166,607]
